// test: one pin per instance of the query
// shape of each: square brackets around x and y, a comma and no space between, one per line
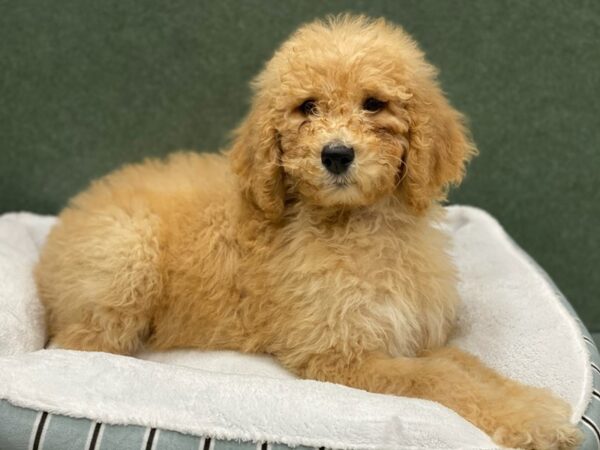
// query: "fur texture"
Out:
[344,278]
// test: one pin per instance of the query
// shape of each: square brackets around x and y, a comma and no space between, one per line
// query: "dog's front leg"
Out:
[513,414]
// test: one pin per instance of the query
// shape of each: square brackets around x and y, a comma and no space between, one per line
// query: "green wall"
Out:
[86,86]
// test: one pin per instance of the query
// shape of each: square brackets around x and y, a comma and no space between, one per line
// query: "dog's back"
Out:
[104,268]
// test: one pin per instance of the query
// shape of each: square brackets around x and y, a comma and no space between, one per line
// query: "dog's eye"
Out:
[308,108]
[372,104]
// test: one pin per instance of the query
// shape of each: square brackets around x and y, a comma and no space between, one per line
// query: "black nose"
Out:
[337,158]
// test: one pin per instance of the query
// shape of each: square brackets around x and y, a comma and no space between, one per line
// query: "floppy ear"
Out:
[255,160]
[439,147]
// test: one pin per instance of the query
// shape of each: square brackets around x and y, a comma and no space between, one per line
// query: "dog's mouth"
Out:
[341,181]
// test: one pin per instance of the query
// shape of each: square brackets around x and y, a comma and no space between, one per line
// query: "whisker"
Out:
[404,173]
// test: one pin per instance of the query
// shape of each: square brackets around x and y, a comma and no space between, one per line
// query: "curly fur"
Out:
[342,278]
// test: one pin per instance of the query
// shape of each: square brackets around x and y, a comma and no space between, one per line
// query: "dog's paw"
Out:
[547,431]
[562,437]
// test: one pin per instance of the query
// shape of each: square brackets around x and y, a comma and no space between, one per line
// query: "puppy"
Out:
[312,239]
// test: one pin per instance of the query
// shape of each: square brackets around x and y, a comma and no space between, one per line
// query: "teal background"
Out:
[86,86]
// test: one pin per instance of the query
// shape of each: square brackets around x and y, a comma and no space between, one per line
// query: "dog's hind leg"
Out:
[513,414]
[99,278]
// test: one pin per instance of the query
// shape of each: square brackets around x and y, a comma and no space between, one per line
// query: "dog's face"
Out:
[342,133]
[346,113]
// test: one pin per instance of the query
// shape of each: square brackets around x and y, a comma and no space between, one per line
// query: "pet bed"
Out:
[513,317]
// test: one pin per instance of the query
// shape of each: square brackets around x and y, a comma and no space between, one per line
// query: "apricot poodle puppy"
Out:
[312,239]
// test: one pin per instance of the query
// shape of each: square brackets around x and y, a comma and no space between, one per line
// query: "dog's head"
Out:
[346,113]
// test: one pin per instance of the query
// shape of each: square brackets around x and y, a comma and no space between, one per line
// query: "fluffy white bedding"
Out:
[512,318]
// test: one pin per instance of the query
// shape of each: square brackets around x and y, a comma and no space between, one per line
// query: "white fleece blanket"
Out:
[512,318]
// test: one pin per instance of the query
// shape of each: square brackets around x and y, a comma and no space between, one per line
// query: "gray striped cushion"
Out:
[26,429]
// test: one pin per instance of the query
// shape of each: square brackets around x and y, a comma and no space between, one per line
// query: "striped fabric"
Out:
[590,421]
[26,429]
